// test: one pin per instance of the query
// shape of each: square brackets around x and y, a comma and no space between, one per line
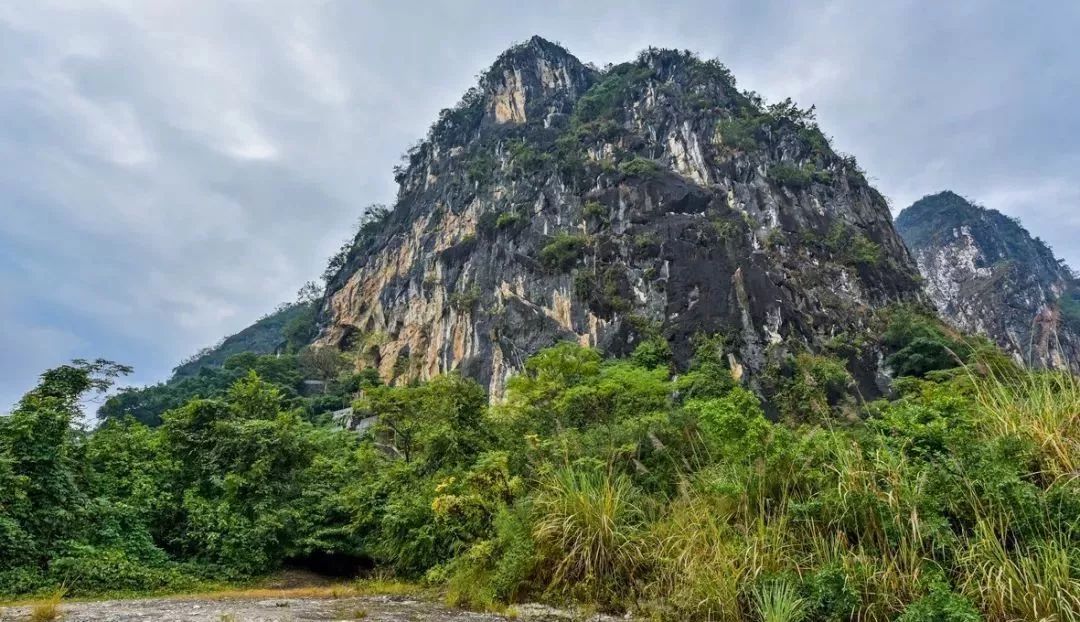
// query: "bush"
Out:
[596,210]
[603,100]
[797,176]
[88,570]
[740,132]
[921,344]
[507,220]
[563,251]
[831,597]
[652,353]
[527,160]
[734,426]
[815,386]
[941,605]
[640,167]
[464,301]
[852,246]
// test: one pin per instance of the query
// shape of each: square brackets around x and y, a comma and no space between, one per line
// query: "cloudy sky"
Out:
[171,170]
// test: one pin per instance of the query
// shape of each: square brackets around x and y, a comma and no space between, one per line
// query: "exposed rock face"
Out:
[561,202]
[986,274]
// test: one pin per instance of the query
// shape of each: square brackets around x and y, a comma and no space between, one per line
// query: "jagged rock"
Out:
[558,201]
[986,274]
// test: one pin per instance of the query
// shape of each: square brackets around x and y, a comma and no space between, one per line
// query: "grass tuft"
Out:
[48,608]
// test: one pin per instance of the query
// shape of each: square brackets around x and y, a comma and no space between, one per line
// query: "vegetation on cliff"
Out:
[984,272]
[559,201]
[608,481]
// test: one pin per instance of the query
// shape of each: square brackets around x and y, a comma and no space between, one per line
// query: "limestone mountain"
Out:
[986,274]
[650,199]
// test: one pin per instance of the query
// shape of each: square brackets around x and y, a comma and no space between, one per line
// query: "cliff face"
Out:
[557,201]
[986,274]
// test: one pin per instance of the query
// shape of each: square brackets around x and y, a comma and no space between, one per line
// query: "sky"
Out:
[172,170]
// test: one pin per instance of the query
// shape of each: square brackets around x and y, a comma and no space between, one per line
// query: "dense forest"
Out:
[623,483]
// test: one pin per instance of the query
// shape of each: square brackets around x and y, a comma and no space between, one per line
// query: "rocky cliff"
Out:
[986,274]
[557,201]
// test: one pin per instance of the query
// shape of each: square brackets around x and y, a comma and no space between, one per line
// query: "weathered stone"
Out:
[558,202]
[987,275]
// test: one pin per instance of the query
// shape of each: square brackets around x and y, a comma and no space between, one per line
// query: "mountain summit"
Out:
[986,274]
[649,200]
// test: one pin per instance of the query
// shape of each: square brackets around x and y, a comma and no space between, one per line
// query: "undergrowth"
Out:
[613,483]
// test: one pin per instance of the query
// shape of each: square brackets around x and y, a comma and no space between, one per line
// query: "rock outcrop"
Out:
[558,201]
[986,274]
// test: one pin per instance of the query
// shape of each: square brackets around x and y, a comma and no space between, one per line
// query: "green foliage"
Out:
[708,375]
[652,353]
[921,344]
[797,177]
[301,329]
[605,98]
[779,601]
[740,132]
[832,595]
[286,372]
[563,251]
[1069,304]
[811,387]
[480,167]
[590,531]
[595,209]
[605,481]
[465,300]
[941,605]
[851,245]
[525,159]
[733,426]
[640,167]
[605,289]
[291,326]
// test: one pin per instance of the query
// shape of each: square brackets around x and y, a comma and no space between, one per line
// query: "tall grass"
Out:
[590,531]
[1043,407]
[700,562]
[919,521]
[1028,582]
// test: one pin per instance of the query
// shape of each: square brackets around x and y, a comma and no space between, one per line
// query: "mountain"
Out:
[986,274]
[268,335]
[647,200]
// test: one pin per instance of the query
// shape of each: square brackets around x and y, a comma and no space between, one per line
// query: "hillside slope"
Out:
[270,334]
[986,274]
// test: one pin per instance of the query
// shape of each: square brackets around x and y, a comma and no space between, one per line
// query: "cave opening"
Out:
[331,564]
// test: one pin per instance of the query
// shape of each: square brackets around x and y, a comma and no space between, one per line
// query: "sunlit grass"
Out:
[47,609]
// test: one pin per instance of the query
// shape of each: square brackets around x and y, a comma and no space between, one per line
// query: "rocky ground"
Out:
[381,608]
[235,609]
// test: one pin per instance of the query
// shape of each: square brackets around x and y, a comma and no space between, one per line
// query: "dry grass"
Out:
[48,608]
[364,587]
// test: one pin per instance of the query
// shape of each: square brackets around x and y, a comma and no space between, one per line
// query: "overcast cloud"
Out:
[171,170]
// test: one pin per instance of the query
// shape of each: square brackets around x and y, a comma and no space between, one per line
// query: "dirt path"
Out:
[368,608]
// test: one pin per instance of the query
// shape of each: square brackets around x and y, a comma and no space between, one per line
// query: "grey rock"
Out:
[664,223]
[986,274]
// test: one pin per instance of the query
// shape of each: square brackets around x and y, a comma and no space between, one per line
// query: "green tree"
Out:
[38,454]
